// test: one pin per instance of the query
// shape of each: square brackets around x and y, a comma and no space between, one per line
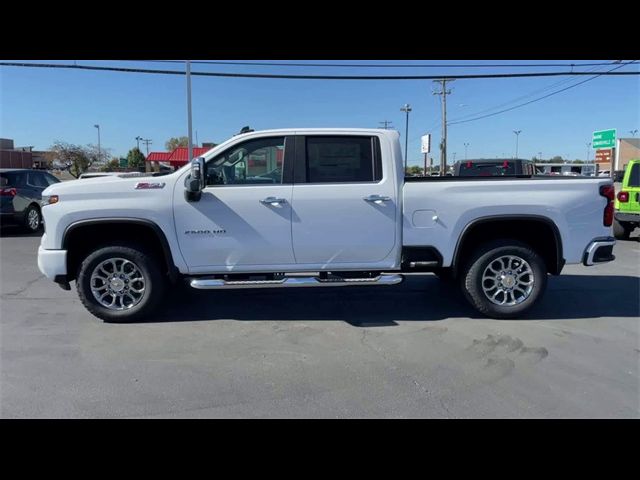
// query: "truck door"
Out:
[344,202]
[243,219]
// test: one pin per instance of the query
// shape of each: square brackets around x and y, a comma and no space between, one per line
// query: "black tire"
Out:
[621,230]
[154,282]
[28,223]
[471,278]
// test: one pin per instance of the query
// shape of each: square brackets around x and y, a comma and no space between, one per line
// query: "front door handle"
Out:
[273,201]
[377,199]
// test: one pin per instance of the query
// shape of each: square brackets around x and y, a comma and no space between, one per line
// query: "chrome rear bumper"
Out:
[600,250]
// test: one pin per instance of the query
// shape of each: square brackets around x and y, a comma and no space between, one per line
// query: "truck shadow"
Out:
[421,299]
[17,231]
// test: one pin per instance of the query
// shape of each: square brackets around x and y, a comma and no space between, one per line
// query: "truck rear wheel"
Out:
[504,279]
[120,283]
[621,230]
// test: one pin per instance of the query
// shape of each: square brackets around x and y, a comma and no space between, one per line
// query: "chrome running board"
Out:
[290,282]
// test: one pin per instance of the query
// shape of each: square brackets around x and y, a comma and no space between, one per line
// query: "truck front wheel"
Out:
[504,279]
[120,283]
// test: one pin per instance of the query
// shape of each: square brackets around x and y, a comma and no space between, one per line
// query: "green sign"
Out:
[604,139]
[124,163]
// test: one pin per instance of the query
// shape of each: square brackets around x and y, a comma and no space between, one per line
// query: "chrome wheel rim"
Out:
[508,280]
[33,219]
[117,284]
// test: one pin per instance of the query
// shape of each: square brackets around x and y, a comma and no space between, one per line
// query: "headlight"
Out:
[49,199]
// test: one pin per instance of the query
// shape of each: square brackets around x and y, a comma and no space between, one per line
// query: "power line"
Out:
[610,72]
[379,65]
[540,90]
[308,77]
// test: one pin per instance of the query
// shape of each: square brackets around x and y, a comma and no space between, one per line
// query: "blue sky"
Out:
[39,106]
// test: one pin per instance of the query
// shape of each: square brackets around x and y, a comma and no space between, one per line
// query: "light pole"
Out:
[588,151]
[517,132]
[99,151]
[138,138]
[454,157]
[539,155]
[633,132]
[406,109]
[466,145]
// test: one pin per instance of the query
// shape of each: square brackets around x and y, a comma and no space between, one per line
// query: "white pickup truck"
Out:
[317,208]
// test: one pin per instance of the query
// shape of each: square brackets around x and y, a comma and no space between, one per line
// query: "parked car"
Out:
[21,196]
[318,208]
[493,168]
[627,216]
[604,173]
[618,176]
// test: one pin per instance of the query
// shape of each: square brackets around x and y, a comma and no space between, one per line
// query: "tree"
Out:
[135,159]
[74,158]
[111,165]
[174,143]
[557,159]
[414,170]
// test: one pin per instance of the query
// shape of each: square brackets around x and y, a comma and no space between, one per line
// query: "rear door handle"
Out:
[377,199]
[273,201]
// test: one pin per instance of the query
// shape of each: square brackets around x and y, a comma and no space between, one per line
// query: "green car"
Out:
[627,216]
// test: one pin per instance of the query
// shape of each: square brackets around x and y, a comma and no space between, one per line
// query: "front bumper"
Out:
[600,250]
[52,263]
[627,217]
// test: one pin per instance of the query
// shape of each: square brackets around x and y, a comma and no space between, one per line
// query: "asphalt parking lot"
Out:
[413,350]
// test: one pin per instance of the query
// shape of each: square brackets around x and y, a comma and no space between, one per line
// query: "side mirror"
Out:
[196,181]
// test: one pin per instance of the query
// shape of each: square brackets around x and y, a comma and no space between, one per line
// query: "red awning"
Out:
[159,157]
[180,155]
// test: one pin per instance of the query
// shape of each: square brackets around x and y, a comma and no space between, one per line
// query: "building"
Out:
[176,159]
[627,149]
[22,157]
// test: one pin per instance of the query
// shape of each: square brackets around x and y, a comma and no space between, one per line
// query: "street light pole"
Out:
[633,132]
[189,109]
[406,108]
[517,132]
[99,151]
[465,151]
[588,151]
[138,138]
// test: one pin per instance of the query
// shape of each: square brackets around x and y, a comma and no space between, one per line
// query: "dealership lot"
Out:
[414,350]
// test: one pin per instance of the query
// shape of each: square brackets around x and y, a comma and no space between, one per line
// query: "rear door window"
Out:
[342,159]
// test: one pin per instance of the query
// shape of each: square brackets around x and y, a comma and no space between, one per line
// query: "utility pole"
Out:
[99,150]
[406,108]
[466,145]
[387,124]
[588,151]
[189,109]
[146,141]
[138,138]
[443,143]
[517,132]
